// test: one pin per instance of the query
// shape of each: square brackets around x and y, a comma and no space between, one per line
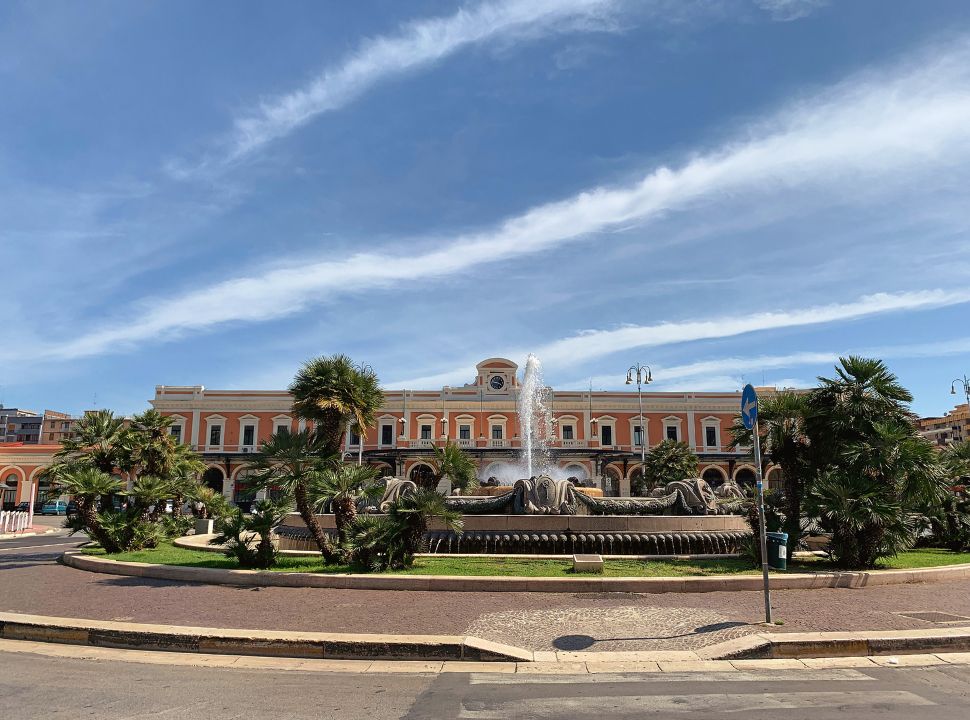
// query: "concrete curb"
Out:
[32,533]
[778,646]
[455,583]
[225,641]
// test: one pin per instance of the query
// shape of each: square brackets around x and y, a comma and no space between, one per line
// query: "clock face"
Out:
[496,382]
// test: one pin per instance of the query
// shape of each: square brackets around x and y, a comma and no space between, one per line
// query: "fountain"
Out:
[536,509]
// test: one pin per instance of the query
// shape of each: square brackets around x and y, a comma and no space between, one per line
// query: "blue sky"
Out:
[731,191]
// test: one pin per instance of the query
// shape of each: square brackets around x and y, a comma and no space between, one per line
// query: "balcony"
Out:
[465,442]
[499,443]
[573,443]
[419,443]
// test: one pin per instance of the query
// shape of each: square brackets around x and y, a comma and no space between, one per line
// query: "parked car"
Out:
[71,509]
[25,507]
[55,507]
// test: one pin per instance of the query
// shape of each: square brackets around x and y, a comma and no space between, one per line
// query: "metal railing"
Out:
[12,521]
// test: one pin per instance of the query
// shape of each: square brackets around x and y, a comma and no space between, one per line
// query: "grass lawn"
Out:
[168,554]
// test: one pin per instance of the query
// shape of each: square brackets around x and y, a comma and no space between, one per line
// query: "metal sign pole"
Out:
[761,516]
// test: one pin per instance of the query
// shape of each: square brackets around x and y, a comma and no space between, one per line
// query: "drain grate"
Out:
[934,616]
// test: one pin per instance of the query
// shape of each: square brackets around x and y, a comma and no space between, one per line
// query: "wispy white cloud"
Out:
[873,134]
[788,10]
[592,345]
[416,45]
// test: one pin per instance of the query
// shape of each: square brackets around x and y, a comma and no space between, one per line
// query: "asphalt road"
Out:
[46,687]
[55,542]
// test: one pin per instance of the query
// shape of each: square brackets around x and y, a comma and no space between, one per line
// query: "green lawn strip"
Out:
[168,554]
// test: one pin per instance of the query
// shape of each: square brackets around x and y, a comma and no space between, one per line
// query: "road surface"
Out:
[33,686]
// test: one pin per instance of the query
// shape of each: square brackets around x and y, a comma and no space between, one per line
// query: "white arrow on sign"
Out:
[749,406]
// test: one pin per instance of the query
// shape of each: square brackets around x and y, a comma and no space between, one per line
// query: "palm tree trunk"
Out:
[89,515]
[793,509]
[310,520]
[344,513]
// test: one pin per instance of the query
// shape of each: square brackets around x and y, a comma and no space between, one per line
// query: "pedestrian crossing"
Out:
[756,694]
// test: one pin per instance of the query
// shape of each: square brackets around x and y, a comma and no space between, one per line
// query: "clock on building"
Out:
[496,382]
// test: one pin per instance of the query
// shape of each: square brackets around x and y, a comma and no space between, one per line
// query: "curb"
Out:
[488,583]
[434,652]
[32,533]
[225,641]
[781,646]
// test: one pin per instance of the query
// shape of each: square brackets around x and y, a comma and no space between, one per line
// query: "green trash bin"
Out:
[777,550]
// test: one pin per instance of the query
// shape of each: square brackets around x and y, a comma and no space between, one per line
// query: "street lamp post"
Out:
[643,377]
[965,382]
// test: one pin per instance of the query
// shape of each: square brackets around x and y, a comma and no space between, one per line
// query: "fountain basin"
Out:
[566,534]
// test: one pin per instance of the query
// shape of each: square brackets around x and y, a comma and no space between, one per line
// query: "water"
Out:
[535,419]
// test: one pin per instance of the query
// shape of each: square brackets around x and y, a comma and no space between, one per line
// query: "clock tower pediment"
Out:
[496,375]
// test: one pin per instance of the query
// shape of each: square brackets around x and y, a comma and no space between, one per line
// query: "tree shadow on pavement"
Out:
[582,642]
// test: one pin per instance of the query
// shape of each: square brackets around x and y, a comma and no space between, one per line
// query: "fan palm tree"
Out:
[148,444]
[292,463]
[87,485]
[781,424]
[187,467]
[96,441]
[845,408]
[453,463]
[334,392]
[341,488]
[147,495]
[956,460]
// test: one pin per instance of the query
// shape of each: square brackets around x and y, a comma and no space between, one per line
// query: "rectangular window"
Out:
[464,432]
[638,435]
[710,436]
[496,432]
[215,435]
[672,432]
[567,432]
[281,428]
[387,434]
[249,435]
[425,432]
[606,435]
[176,431]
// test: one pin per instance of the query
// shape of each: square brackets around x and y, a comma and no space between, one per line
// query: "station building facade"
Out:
[596,436]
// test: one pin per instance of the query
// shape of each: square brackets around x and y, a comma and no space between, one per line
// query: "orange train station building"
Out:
[596,436]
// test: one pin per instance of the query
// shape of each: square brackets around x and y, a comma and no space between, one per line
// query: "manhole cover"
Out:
[934,616]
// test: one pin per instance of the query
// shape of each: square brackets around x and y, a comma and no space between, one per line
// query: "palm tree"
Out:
[148,493]
[87,485]
[667,462]
[334,392]
[845,408]
[149,445]
[95,441]
[187,466]
[292,462]
[379,543]
[781,424]
[956,460]
[342,488]
[451,462]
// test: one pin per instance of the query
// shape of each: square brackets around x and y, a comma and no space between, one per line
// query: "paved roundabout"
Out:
[35,582]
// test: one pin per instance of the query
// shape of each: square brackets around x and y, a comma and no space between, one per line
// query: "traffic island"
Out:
[493,583]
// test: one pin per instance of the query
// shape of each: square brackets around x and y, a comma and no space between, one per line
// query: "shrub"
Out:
[249,539]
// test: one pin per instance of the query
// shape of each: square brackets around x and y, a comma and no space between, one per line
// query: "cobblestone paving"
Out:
[600,629]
